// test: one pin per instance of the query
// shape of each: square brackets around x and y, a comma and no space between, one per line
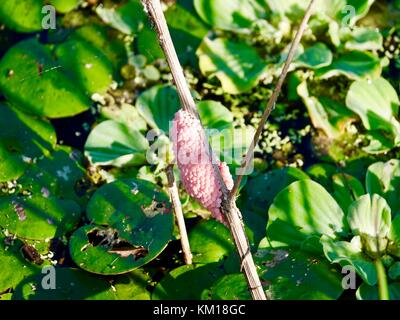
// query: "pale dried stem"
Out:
[176,202]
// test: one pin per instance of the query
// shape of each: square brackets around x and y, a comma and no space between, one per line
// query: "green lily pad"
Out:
[237,65]
[71,284]
[37,217]
[132,223]
[132,286]
[383,178]
[229,287]
[116,144]
[306,209]
[158,106]
[210,241]
[86,65]
[292,274]
[29,136]
[102,39]
[354,65]
[14,266]
[22,15]
[12,165]
[174,285]
[55,175]
[35,82]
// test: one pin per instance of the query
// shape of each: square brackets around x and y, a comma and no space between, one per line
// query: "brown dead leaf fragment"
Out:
[125,251]
[31,254]
[109,239]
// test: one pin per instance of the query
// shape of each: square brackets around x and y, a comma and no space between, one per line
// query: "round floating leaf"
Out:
[29,136]
[30,78]
[292,274]
[230,287]
[377,104]
[55,175]
[214,115]
[231,15]
[237,65]
[307,209]
[354,65]
[132,223]
[22,15]
[132,286]
[14,266]
[101,38]
[114,143]
[36,217]
[350,253]
[262,190]
[174,285]
[86,65]
[210,241]
[71,284]
[158,106]
[11,164]
[383,178]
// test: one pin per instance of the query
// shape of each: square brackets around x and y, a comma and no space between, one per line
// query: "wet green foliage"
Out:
[85,112]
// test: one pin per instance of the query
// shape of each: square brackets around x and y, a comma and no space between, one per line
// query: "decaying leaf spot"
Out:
[109,239]
[19,210]
[155,208]
[31,254]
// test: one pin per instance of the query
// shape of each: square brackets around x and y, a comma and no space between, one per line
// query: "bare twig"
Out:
[271,103]
[229,208]
[173,191]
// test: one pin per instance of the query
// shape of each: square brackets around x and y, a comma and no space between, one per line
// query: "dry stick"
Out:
[271,103]
[228,207]
[176,202]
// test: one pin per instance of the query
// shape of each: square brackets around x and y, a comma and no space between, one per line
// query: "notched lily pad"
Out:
[132,223]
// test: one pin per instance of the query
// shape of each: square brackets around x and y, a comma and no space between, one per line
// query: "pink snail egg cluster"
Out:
[197,173]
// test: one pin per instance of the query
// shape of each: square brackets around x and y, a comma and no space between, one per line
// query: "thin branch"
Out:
[176,202]
[271,103]
[228,206]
